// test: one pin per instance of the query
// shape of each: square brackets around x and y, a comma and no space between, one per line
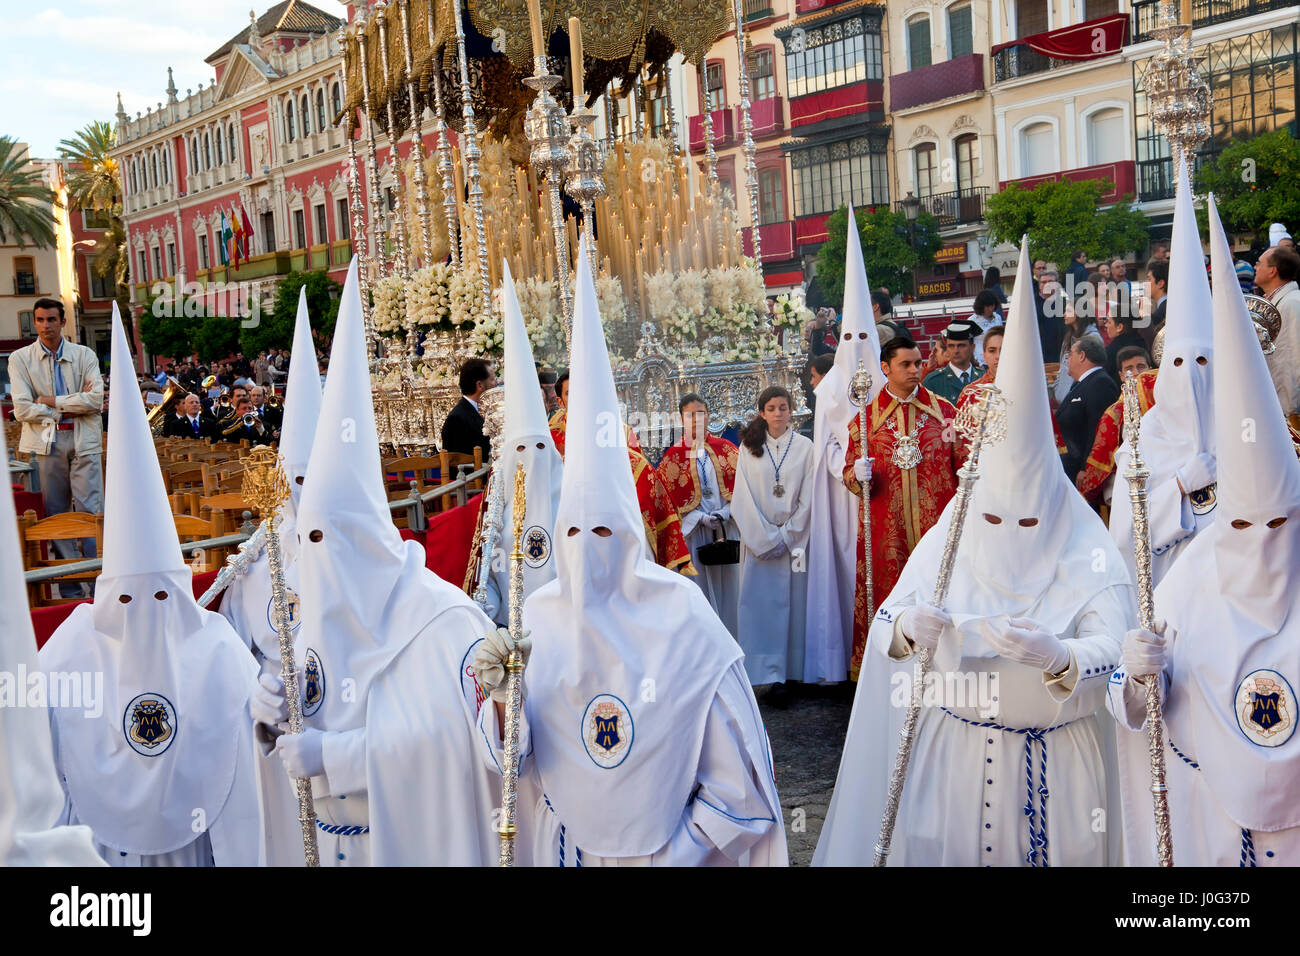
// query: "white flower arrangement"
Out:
[690,291]
[489,336]
[790,313]
[389,312]
[681,326]
[466,293]
[722,290]
[610,302]
[662,295]
[428,296]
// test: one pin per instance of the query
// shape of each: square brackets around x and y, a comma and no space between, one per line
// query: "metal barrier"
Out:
[414,505]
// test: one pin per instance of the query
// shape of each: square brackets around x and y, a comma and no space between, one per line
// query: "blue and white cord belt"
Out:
[337,830]
[1037,816]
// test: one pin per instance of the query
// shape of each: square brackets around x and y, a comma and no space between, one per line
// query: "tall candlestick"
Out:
[575,56]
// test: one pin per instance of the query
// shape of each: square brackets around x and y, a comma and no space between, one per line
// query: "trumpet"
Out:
[157,416]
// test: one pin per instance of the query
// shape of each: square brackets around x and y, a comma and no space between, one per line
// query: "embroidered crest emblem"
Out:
[293,606]
[537,547]
[1265,708]
[469,685]
[607,731]
[1204,500]
[313,685]
[149,723]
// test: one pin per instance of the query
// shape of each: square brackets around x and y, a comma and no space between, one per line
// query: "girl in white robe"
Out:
[771,506]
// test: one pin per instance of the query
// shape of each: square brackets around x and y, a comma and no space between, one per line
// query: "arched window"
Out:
[207,151]
[927,170]
[1107,135]
[194,154]
[230,131]
[918,42]
[966,151]
[320,109]
[288,119]
[1037,150]
[336,95]
[221,150]
[135,178]
[167,166]
[153,179]
[306,115]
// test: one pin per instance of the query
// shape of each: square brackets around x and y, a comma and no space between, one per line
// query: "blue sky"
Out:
[66,62]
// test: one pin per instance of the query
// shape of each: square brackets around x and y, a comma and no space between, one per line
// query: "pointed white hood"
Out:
[1230,597]
[302,401]
[175,675]
[859,343]
[526,440]
[1182,422]
[32,795]
[610,622]
[1049,568]
[365,592]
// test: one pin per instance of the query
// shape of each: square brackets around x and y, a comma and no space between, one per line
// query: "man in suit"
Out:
[1076,275]
[1094,391]
[231,428]
[463,429]
[190,421]
[272,416]
[948,380]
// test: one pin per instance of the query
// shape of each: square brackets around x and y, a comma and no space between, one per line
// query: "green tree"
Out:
[275,329]
[97,186]
[163,333]
[26,203]
[215,337]
[96,183]
[888,251]
[1062,216]
[1255,182]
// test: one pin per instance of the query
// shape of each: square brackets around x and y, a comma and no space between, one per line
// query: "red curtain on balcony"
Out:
[1083,41]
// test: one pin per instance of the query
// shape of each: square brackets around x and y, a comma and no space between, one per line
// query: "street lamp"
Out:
[911,209]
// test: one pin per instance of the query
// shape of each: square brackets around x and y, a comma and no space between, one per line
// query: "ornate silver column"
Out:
[471,153]
[378,208]
[417,138]
[446,168]
[747,128]
[394,156]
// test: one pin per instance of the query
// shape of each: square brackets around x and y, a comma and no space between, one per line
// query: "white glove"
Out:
[1197,472]
[302,754]
[779,551]
[1144,651]
[924,624]
[267,704]
[710,521]
[490,661]
[862,470]
[1023,640]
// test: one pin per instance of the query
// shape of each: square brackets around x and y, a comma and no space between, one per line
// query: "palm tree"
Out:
[26,203]
[97,184]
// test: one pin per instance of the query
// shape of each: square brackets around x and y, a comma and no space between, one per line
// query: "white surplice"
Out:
[773,556]
[719,582]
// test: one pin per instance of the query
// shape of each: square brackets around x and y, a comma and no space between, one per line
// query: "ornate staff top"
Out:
[265,485]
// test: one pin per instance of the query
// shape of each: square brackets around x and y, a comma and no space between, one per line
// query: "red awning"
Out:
[1089,40]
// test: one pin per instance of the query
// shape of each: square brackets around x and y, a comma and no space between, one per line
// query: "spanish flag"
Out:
[237,242]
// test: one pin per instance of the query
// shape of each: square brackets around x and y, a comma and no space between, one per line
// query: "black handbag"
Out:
[718,552]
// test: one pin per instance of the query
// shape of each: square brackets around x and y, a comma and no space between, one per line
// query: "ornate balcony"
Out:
[1122,176]
[777,239]
[724,130]
[1056,49]
[955,208]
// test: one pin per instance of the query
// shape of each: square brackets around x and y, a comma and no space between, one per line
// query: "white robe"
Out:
[773,558]
[406,789]
[732,819]
[246,604]
[1170,518]
[966,788]
[719,582]
[832,551]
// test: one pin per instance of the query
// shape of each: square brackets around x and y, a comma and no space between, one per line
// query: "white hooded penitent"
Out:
[1177,438]
[526,440]
[173,735]
[835,520]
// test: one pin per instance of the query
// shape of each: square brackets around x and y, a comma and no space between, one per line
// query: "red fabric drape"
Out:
[1083,41]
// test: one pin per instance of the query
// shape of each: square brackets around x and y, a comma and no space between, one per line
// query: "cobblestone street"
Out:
[807,738]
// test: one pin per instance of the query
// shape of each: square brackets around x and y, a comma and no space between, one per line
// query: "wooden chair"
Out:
[402,517]
[423,468]
[37,537]
[184,476]
[222,478]
[189,528]
[226,511]
[186,502]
